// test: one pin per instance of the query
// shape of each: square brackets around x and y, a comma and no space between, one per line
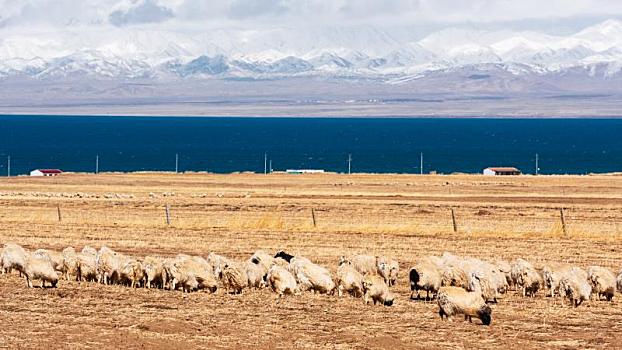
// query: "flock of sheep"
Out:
[461,286]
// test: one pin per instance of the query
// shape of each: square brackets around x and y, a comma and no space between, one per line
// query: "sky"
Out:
[547,15]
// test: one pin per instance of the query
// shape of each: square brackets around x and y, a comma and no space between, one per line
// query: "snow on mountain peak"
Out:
[355,50]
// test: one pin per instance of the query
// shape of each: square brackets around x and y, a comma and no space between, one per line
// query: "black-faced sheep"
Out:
[426,276]
[457,301]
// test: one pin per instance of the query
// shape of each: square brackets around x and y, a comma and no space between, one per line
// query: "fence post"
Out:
[313,216]
[168,214]
[563,219]
[453,220]
[58,212]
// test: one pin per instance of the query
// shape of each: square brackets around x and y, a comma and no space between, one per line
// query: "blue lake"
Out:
[222,145]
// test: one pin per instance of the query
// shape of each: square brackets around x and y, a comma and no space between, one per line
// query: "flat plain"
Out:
[320,216]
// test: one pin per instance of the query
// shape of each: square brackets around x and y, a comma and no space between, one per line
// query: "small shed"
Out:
[501,171]
[46,172]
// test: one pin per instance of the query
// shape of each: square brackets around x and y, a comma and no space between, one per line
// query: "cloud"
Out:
[299,12]
[146,11]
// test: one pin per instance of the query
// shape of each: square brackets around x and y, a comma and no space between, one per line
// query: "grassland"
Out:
[396,215]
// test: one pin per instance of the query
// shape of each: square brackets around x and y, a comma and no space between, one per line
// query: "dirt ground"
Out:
[321,217]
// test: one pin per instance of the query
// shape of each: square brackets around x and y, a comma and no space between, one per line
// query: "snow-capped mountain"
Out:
[355,51]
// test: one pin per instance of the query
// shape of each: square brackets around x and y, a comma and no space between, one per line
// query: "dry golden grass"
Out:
[396,215]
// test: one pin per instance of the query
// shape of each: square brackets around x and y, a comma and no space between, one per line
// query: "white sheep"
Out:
[619,281]
[185,270]
[108,265]
[132,273]
[365,264]
[377,290]
[349,280]
[217,262]
[254,274]
[457,301]
[310,276]
[87,265]
[39,267]
[281,281]
[603,282]
[575,287]
[55,258]
[153,268]
[551,275]
[70,263]
[234,277]
[388,269]
[13,257]
[262,259]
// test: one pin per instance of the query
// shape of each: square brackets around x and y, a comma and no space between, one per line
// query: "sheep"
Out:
[13,257]
[87,265]
[427,276]
[108,264]
[234,277]
[388,269]
[603,282]
[482,282]
[38,266]
[376,289]
[281,281]
[262,259]
[131,273]
[217,262]
[365,264]
[551,276]
[349,280]
[573,286]
[153,268]
[310,276]
[619,281]
[525,276]
[70,263]
[506,269]
[455,300]
[55,258]
[254,274]
[184,270]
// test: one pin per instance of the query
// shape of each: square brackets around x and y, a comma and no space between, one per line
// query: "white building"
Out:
[501,171]
[46,172]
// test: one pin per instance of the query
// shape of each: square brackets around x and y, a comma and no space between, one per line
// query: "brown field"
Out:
[402,216]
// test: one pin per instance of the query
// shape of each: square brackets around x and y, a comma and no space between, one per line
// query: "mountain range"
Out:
[333,52]
[356,62]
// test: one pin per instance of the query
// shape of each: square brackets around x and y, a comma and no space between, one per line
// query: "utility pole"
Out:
[8,166]
[97,164]
[537,166]
[421,163]
[265,163]
[349,163]
[270,166]
[176,163]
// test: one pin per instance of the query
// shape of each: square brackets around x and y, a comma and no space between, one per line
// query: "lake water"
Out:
[222,145]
